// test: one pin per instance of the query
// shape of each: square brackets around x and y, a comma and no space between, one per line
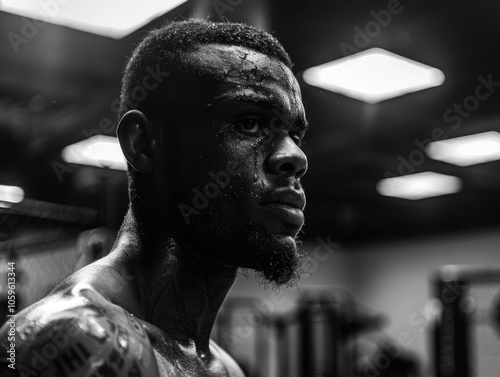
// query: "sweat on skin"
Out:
[183,271]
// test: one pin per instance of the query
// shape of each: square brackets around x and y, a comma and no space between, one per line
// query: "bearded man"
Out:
[211,122]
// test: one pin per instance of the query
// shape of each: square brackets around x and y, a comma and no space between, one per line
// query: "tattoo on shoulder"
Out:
[96,343]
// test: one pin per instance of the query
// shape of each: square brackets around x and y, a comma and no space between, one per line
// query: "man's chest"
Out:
[175,359]
[175,364]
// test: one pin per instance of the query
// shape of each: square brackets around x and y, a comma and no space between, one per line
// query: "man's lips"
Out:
[292,198]
[286,205]
[286,212]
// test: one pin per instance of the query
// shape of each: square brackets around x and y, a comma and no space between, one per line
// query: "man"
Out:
[211,123]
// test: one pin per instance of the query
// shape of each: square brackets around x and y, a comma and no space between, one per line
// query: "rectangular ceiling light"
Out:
[10,195]
[373,75]
[419,186]
[101,151]
[467,150]
[110,18]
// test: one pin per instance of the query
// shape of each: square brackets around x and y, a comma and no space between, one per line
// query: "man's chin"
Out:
[276,258]
[248,245]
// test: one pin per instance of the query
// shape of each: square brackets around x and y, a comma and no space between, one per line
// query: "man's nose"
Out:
[287,159]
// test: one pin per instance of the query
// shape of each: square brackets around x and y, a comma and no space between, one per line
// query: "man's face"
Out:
[233,163]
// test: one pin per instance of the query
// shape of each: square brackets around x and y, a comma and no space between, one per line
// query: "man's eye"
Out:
[250,125]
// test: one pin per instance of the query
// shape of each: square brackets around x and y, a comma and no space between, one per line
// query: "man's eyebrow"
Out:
[259,100]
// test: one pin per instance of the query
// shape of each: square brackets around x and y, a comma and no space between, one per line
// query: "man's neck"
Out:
[179,290]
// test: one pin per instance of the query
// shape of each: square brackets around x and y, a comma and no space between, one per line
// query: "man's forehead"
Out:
[216,57]
[237,69]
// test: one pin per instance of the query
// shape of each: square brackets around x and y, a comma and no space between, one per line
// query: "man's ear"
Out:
[136,137]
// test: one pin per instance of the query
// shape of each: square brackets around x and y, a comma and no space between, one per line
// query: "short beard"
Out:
[278,261]
[276,258]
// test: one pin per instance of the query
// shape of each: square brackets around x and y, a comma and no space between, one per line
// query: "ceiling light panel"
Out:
[110,18]
[419,186]
[467,150]
[374,75]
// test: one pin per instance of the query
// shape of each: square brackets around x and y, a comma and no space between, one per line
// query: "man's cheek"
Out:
[234,167]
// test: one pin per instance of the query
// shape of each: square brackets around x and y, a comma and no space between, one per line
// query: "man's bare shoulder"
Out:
[231,365]
[77,332]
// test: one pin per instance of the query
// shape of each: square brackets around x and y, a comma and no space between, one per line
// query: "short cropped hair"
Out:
[161,54]
[164,48]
